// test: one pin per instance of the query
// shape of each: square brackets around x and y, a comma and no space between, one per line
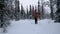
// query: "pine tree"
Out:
[1,11]
[17,10]
[31,13]
[9,9]
[22,12]
[30,10]
[51,6]
[57,18]
[5,13]
[39,9]
[42,11]
[27,12]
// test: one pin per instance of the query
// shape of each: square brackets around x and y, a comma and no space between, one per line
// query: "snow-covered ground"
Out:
[27,26]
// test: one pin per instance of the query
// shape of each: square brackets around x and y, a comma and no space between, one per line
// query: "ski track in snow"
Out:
[27,26]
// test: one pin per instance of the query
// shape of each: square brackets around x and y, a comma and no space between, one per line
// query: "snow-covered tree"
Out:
[4,18]
[30,10]
[39,10]
[27,13]
[17,10]
[1,11]
[57,16]
[22,12]
[53,9]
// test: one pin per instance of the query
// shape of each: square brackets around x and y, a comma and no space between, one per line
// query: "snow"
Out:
[47,10]
[27,26]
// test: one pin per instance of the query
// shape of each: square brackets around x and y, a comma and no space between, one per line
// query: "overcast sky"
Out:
[25,3]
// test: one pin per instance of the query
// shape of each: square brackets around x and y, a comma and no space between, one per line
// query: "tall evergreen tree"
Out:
[57,18]
[33,12]
[27,12]
[1,10]
[42,14]
[17,10]
[51,6]
[9,8]
[3,15]
[39,9]
[22,12]
[30,11]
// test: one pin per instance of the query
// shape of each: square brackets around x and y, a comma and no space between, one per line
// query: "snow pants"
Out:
[35,20]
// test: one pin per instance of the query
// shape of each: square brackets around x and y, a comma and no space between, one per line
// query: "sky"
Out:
[26,3]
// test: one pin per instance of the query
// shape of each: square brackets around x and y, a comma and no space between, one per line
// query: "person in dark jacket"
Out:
[36,17]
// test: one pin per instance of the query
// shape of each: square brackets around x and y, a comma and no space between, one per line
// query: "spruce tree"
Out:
[51,6]
[38,6]
[57,18]
[17,10]
[33,12]
[1,10]
[27,13]
[22,12]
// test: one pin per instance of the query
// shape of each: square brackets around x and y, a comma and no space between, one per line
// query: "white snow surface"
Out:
[27,26]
